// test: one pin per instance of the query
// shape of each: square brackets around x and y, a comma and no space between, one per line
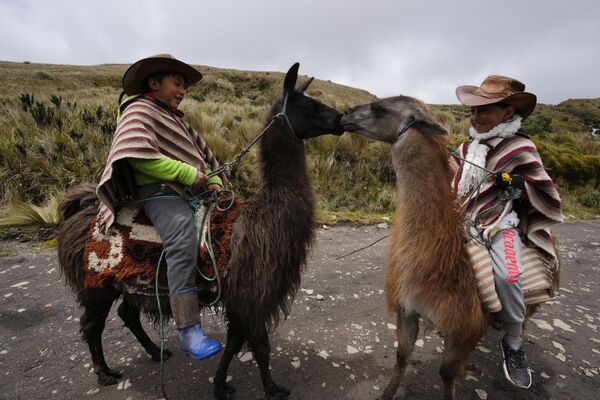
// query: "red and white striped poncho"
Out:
[540,208]
[146,130]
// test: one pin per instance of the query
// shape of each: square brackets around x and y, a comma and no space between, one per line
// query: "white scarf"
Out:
[477,153]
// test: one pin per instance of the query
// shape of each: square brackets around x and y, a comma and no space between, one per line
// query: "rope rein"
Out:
[209,199]
[471,224]
[362,248]
[238,157]
[162,329]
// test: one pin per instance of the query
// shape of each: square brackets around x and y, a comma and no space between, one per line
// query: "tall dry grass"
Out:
[56,124]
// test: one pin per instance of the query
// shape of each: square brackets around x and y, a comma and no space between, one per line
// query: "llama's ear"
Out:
[421,121]
[430,127]
[406,123]
[302,88]
[289,83]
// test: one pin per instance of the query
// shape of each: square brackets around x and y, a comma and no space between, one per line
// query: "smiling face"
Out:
[484,118]
[170,89]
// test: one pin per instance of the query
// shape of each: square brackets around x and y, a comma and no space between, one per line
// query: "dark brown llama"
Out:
[429,274]
[270,241]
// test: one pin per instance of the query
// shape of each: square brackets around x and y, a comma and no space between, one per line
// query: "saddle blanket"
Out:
[129,252]
[539,282]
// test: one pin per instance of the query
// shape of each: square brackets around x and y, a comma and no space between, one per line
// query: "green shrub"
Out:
[43,76]
[567,162]
[590,199]
[537,124]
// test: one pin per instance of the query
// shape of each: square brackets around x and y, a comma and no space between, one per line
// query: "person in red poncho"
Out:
[156,153]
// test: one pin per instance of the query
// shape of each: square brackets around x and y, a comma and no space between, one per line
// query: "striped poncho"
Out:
[146,130]
[540,208]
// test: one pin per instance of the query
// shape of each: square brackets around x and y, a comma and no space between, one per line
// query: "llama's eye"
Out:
[312,106]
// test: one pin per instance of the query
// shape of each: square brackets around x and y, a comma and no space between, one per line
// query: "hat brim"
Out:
[524,102]
[133,79]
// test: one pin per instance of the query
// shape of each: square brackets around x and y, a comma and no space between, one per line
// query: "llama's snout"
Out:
[345,121]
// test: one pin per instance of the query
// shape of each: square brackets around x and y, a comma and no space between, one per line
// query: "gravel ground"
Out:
[337,344]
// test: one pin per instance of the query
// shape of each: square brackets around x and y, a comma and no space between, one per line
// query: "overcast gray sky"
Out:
[418,48]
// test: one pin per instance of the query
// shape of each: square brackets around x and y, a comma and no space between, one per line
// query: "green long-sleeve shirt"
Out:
[146,172]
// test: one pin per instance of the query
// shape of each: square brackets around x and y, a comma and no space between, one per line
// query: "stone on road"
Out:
[337,343]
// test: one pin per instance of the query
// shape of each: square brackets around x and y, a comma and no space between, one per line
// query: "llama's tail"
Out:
[79,198]
[77,211]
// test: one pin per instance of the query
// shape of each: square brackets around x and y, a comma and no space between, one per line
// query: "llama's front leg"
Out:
[235,341]
[96,307]
[456,352]
[406,331]
[261,348]
[130,314]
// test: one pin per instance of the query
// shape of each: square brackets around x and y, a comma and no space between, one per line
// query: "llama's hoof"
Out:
[108,377]
[224,391]
[275,392]
[156,355]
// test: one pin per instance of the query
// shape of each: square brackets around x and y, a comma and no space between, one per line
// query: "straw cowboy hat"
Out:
[133,79]
[495,89]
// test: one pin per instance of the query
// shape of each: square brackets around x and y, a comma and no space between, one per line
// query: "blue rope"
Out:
[196,206]
[162,327]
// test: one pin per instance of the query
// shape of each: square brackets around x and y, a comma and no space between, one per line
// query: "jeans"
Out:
[173,218]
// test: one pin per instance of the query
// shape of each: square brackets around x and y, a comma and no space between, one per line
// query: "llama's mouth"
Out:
[347,124]
[339,128]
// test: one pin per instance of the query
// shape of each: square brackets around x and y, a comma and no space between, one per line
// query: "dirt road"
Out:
[338,343]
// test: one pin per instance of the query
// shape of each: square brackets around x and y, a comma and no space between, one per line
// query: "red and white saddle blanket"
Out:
[539,282]
[129,252]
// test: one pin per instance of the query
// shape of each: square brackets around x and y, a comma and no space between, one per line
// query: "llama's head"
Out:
[387,119]
[307,116]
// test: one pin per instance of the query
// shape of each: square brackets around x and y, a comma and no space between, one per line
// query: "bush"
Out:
[590,199]
[43,76]
[537,124]
[567,162]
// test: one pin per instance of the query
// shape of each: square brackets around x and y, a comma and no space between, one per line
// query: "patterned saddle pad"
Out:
[129,252]
[539,282]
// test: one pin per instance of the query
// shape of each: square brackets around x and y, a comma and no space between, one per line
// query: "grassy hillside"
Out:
[56,123]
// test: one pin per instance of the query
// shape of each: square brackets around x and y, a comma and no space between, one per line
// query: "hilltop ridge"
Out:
[56,123]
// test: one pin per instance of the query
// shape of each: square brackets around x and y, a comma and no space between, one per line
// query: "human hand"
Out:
[200,180]
[504,180]
[214,186]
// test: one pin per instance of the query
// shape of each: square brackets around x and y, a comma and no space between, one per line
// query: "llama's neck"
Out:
[283,164]
[278,230]
[428,230]
[424,195]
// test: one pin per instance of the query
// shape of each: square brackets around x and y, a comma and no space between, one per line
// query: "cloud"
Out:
[424,49]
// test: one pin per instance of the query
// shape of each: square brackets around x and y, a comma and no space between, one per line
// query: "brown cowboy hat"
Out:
[495,89]
[133,79]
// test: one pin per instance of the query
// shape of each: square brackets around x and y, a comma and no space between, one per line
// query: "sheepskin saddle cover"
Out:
[127,255]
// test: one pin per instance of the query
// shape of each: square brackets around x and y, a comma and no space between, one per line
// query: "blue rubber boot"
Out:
[196,344]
